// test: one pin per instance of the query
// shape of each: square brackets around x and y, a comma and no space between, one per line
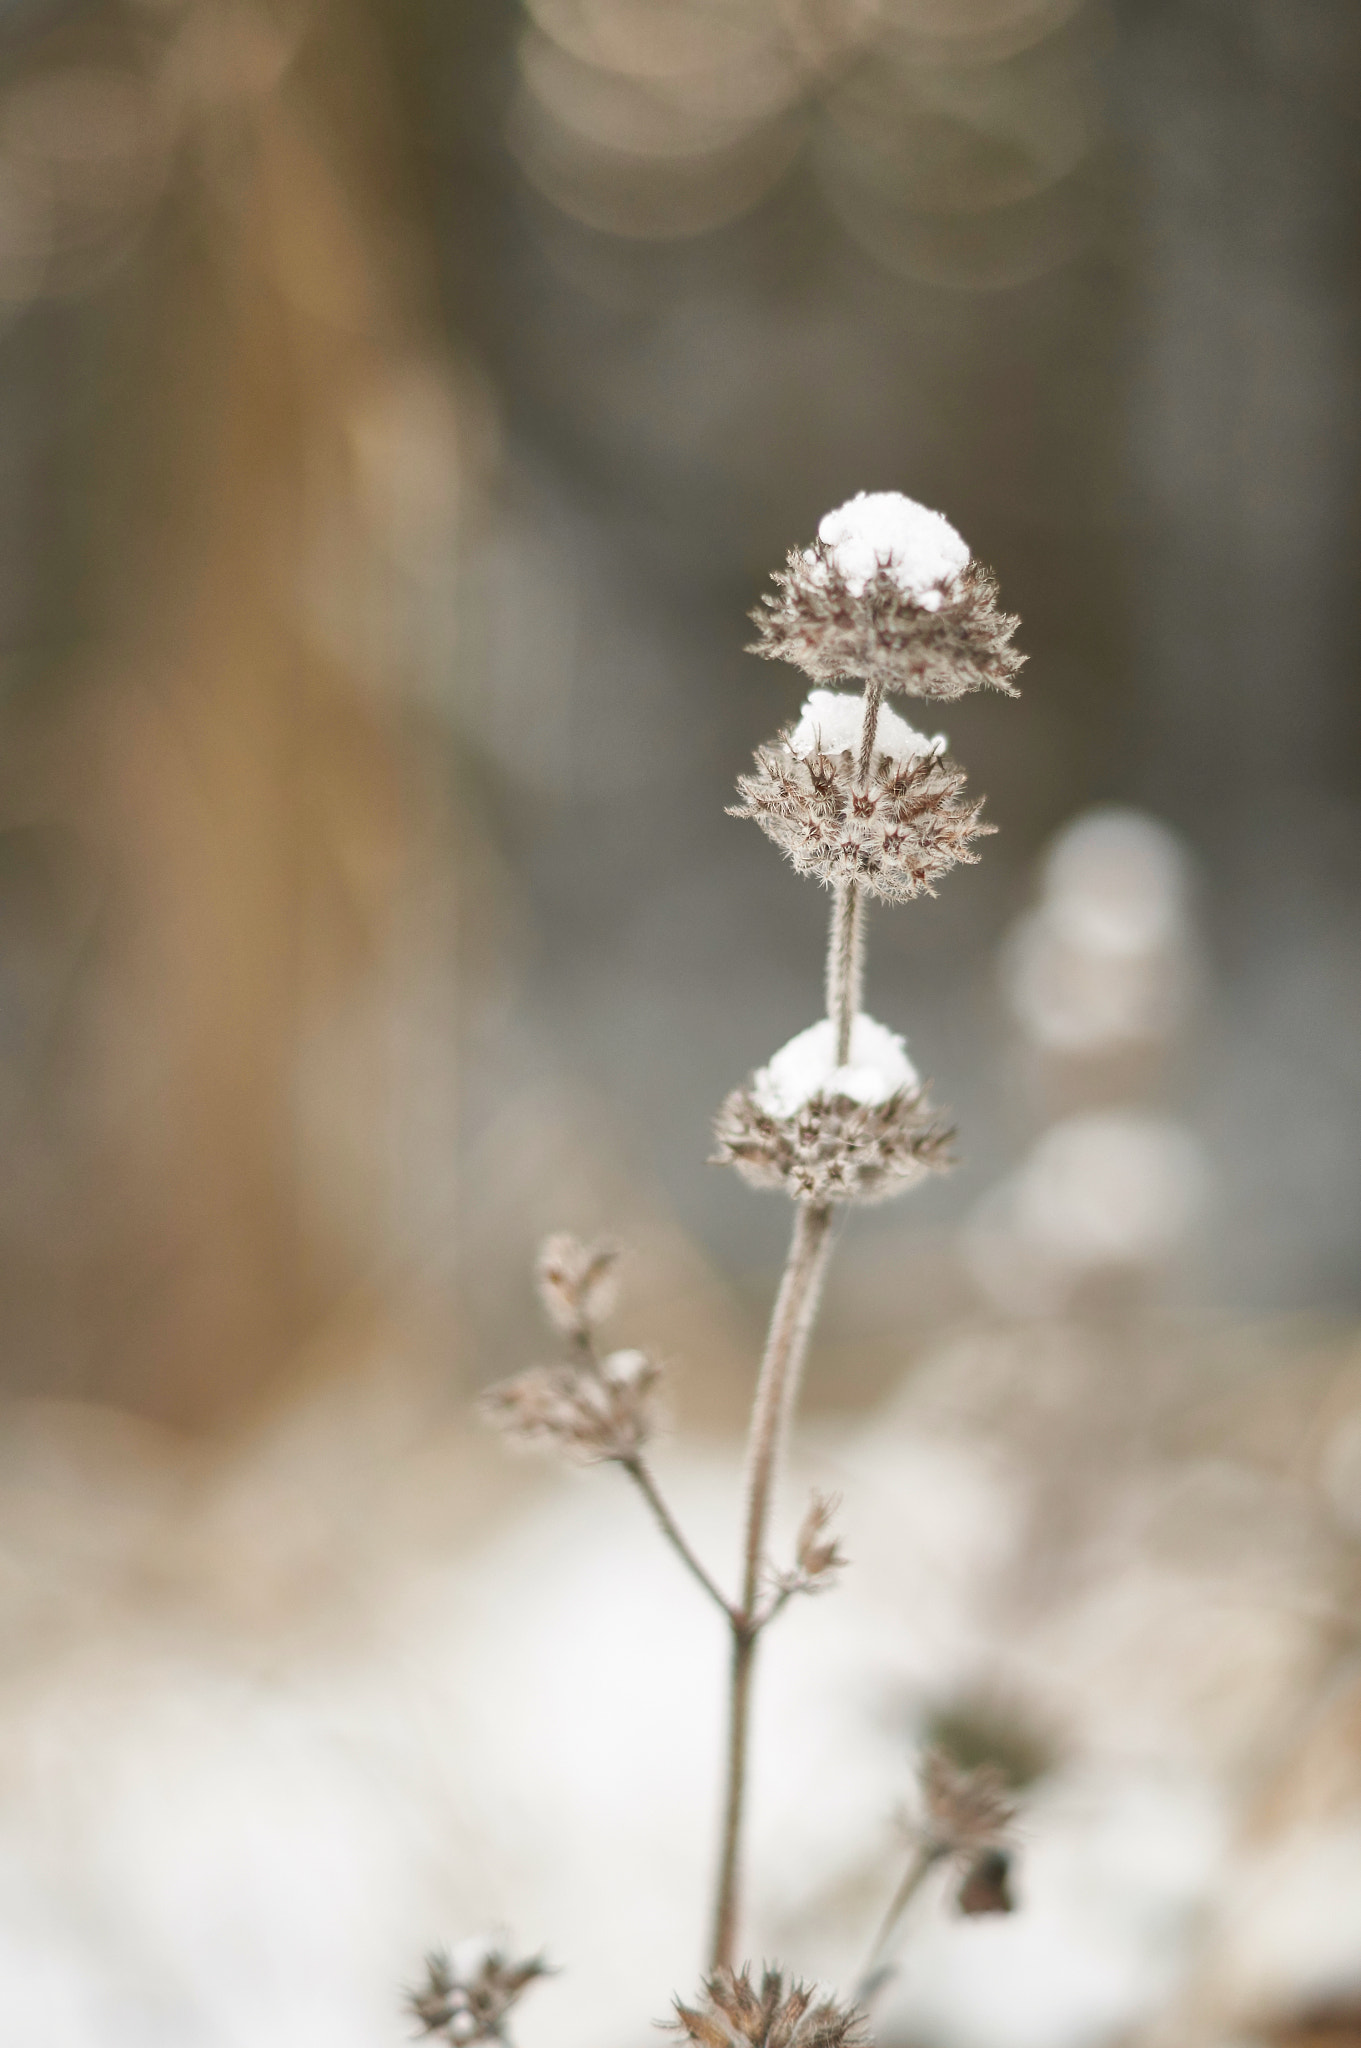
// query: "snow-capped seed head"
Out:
[897,832]
[823,1132]
[587,1413]
[468,1992]
[889,592]
[577,1282]
[884,532]
[968,1812]
[777,2013]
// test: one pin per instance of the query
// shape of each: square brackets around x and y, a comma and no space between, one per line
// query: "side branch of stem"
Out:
[641,1475]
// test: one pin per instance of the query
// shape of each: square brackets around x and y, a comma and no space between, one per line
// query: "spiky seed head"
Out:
[578,1283]
[940,642]
[777,2013]
[896,835]
[833,1148]
[968,1812]
[589,1413]
[468,1992]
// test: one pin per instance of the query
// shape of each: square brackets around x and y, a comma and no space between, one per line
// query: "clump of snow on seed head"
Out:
[877,530]
[831,723]
[878,1068]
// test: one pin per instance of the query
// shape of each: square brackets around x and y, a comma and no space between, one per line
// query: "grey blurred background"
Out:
[390,516]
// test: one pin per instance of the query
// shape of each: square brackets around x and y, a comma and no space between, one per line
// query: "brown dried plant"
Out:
[838,1118]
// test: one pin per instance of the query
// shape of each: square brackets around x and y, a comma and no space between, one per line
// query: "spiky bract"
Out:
[776,2014]
[897,835]
[467,2001]
[957,641]
[832,1148]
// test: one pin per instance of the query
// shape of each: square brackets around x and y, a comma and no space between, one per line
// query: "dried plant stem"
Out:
[845,963]
[876,1973]
[791,1326]
[786,1347]
[846,945]
[641,1475]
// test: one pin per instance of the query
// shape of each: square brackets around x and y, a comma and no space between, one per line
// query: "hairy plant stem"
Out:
[846,946]
[786,1347]
[876,1971]
[791,1326]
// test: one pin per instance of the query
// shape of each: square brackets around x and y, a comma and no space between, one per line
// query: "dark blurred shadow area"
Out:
[402,405]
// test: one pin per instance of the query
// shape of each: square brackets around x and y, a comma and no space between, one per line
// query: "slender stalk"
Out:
[845,964]
[875,1972]
[640,1473]
[786,1347]
[791,1325]
[874,696]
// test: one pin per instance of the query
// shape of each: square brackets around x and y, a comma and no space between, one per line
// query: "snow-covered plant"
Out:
[888,597]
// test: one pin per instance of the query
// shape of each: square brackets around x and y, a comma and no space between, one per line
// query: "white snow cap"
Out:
[877,1068]
[883,529]
[831,720]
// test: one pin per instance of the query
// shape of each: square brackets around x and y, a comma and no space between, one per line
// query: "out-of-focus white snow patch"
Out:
[885,530]
[1292,1927]
[1103,960]
[877,1068]
[831,722]
[1115,1190]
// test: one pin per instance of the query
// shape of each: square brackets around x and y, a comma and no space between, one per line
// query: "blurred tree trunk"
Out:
[210,809]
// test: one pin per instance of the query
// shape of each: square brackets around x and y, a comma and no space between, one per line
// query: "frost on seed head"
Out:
[831,721]
[860,1131]
[889,592]
[877,1068]
[883,531]
[895,831]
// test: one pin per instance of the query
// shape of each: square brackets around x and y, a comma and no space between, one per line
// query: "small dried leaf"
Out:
[987,1884]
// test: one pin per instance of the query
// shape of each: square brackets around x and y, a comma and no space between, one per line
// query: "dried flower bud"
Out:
[986,1887]
[817,1553]
[577,1283]
[833,1148]
[939,642]
[467,1993]
[968,1813]
[735,2014]
[897,834]
[588,1412]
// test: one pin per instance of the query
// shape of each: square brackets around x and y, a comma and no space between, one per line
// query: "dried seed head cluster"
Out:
[968,1812]
[897,832]
[738,2014]
[941,642]
[589,1412]
[578,1283]
[466,1996]
[832,1148]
